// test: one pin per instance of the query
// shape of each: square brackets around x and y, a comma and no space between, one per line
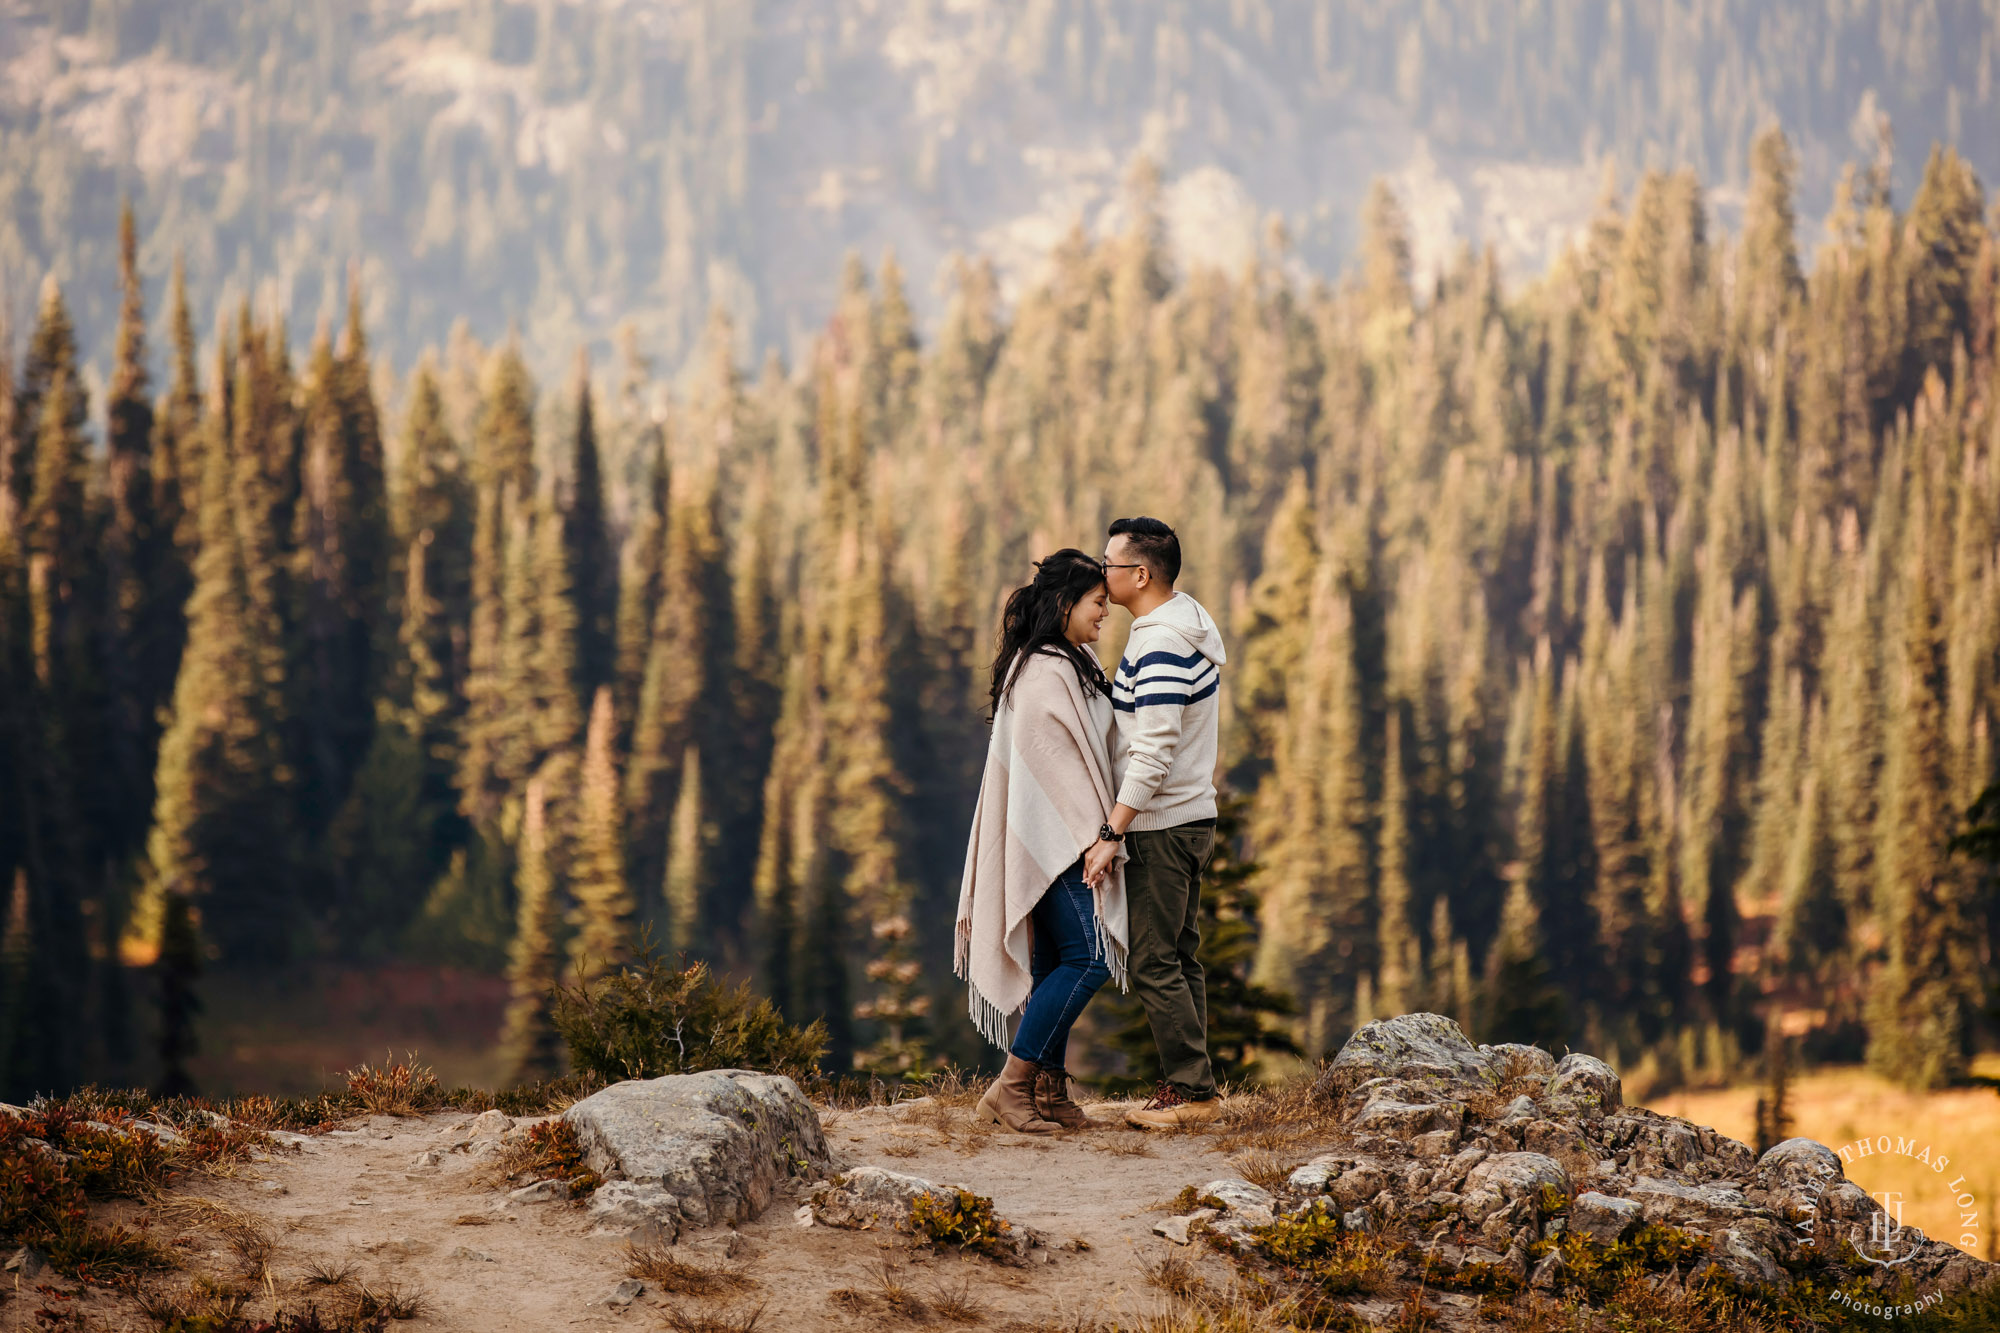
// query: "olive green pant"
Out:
[1163,905]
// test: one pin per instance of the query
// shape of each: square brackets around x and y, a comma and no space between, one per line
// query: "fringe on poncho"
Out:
[1045,792]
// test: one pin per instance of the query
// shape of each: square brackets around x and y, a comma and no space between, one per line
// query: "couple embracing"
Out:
[1096,817]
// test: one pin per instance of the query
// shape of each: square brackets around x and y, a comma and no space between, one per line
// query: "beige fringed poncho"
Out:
[1045,792]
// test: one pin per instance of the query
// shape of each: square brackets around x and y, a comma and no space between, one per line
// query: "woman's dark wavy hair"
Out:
[1034,619]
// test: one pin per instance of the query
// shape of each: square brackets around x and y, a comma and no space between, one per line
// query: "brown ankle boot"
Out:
[1052,1100]
[1011,1100]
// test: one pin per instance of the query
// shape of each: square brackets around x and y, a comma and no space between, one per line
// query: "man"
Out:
[1163,766]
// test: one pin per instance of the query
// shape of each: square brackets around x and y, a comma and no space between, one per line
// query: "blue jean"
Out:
[1066,966]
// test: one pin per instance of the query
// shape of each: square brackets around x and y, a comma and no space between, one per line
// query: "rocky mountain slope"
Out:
[569,165]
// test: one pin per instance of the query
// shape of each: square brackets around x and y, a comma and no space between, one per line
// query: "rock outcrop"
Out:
[1487,1155]
[714,1146]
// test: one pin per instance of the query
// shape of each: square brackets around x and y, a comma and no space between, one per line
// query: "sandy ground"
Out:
[361,1196]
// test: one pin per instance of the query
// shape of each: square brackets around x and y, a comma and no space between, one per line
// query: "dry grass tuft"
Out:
[327,1273]
[1062,1322]
[953,1303]
[889,1290]
[899,1150]
[403,1088]
[1262,1167]
[1276,1118]
[712,1320]
[1132,1144]
[1175,1274]
[201,1302]
[250,1240]
[391,1300]
[653,1262]
[1234,1313]
[958,1087]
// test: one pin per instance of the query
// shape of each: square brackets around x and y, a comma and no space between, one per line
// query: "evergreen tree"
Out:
[529,1039]
[588,538]
[221,833]
[140,630]
[603,910]
[1400,980]
[177,437]
[179,968]
[341,549]
[1521,1000]
[1925,1000]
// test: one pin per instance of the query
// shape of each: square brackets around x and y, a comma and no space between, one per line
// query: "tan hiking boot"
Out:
[1169,1110]
[1052,1100]
[1011,1099]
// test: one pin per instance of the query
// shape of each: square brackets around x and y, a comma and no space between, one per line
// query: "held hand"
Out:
[1098,861]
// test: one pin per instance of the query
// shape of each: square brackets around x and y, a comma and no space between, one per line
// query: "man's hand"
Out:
[1097,862]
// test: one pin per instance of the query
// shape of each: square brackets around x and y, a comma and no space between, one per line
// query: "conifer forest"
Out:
[1614,655]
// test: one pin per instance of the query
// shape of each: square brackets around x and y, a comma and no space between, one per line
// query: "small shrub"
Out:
[403,1089]
[652,1018]
[1187,1200]
[1314,1244]
[1298,1241]
[960,1218]
[551,1152]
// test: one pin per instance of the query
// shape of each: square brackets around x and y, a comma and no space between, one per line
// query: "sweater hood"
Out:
[1190,620]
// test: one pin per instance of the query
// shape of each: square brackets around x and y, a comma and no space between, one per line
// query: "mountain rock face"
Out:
[569,166]
[1483,1159]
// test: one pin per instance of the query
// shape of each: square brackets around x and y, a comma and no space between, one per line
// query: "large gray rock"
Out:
[1692,1207]
[1604,1218]
[1425,1049]
[1251,1203]
[1807,1158]
[1510,1060]
[1511,1177]
[719,1141]
[1754,1251]
[1588,1081]
[631,1206]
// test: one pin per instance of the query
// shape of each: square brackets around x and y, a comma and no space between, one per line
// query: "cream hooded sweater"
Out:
[1165,696]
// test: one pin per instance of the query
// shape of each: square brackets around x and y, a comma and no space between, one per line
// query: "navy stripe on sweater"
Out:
[1126,668]
[1149,700]
[1164,677]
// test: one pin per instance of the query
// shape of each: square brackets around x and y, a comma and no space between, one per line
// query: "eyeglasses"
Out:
[1106,566]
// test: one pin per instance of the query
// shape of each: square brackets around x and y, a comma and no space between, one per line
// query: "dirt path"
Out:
[369,1197]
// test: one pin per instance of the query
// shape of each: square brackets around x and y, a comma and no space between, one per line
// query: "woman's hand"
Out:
[1097,862]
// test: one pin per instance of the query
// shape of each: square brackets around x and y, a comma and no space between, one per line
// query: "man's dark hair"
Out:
[1154,544]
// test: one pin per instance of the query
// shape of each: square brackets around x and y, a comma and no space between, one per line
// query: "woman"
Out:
[1034,937]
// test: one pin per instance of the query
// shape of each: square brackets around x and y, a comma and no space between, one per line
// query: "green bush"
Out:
[960,1218]
[652,1018]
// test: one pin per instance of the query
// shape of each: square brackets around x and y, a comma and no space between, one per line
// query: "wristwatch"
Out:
[1106,835]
